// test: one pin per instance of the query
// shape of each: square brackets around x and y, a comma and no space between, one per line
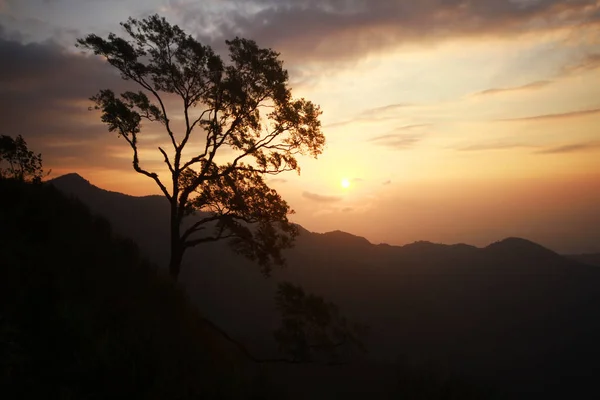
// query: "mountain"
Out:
[513,315]
[590,259]
[83,315]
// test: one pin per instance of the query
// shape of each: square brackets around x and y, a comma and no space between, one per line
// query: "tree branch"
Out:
[137,168]
[251,357]
[167,160]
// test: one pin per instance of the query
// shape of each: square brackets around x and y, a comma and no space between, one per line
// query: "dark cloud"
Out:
[342,30]
[571,148]
[321,198]
[556,116]
[529,86]
[44,96]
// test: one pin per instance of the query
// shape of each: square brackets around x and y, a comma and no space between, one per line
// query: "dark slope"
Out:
[513,314]
[129,215]
[83,315]
[590,259]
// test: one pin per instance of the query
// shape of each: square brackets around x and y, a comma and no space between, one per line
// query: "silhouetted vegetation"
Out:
[224,103]
[83,315]
[18,162]
[513,316]
[312,329]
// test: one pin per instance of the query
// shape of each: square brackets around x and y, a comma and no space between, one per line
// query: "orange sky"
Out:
[453,123]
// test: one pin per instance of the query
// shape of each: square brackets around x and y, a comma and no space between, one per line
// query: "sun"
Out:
[345,183]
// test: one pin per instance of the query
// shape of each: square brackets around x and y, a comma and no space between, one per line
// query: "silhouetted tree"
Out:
[313,329]
[18,162]
[244,105]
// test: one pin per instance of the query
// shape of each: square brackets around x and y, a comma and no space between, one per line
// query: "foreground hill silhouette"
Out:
[84,316]
[513,315]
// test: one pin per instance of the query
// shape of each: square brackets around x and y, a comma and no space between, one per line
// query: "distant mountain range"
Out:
[514,314]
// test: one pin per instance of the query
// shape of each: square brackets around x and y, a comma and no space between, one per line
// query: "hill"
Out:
[590,259]
[84,315]
[513,315]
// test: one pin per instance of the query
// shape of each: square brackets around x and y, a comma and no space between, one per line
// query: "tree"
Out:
[244,105]
[313,329]
[18,162]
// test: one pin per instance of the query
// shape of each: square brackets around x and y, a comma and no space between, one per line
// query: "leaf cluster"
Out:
[313,329]
[18,162]
[241,107]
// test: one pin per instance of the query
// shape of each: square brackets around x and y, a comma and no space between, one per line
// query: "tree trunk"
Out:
[177,247]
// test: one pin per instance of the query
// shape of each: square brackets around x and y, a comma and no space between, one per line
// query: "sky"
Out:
[453,121]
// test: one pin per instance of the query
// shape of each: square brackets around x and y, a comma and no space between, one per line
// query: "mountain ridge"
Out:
[73,182]
[476,310]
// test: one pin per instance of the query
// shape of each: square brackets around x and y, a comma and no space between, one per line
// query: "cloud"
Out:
[342,30]
[321,198]
[385,109]
[363,117]
[388,182]
[398,139]
[347,209]
[571,148]
[44,96]
[588,63]
[278,180]
[551,117]
[529,86]
[493,146]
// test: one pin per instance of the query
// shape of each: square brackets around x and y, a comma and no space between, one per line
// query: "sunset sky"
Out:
[450,120]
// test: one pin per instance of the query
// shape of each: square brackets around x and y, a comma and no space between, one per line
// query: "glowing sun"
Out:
[345,183]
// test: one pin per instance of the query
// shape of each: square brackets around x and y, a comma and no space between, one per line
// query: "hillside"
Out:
[512,315]
[84,315]
[590,259]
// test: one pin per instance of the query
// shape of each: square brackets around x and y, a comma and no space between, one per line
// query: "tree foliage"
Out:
[313,329]
[244,105]
[18,162]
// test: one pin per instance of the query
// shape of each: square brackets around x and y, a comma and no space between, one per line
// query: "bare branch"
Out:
[167,161]
[136,165]
[195,242]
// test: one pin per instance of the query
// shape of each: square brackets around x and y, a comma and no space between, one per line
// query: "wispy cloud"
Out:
[557,116]
[530,86]
[278,180]
[399,138]
[364,117]
[412,127]
[388,182]
[571,148]
[321,198]
[385,109]
[396,140]
[588,63]
[493,146]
